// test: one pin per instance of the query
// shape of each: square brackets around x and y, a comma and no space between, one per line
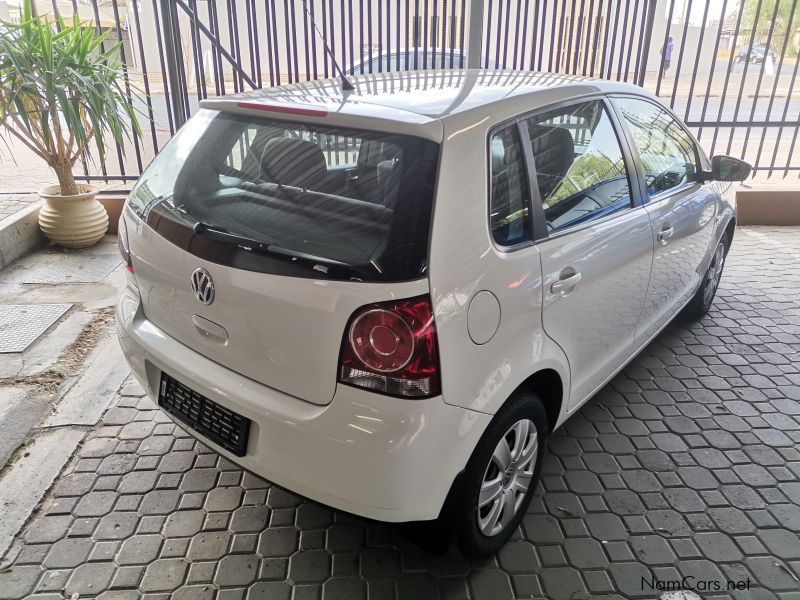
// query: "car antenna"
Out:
[347,86]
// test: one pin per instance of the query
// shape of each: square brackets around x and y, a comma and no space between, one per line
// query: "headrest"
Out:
[373,152]
[293,162]
[498,156]
[553,154]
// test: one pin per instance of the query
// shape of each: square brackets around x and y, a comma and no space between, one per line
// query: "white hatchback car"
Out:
[385,300]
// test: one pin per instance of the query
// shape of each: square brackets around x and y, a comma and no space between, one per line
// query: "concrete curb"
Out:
[20,235]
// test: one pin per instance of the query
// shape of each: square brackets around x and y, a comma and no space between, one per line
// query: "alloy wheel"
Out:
[507,477]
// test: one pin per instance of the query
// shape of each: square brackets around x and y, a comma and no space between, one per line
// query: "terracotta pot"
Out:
[77,221]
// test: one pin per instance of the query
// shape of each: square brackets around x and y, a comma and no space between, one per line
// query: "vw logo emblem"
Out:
[203,286]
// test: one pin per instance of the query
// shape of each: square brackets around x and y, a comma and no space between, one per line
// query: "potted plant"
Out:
[60,91]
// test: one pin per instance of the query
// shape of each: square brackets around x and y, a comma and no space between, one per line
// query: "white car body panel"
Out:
[498,324]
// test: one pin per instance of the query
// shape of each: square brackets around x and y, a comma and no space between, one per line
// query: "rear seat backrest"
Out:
[553,155]
[293,162]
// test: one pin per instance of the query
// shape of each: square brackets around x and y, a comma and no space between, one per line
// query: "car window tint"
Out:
[580,171]
[666,150]
[510,198]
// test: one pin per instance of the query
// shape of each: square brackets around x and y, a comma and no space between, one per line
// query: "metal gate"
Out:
[728,67]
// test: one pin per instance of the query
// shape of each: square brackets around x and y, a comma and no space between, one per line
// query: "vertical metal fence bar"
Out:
[397,39]
[127,82]
[291,42]
[197,54]
[744,76]
[680,54]
[462,27]
[389,34]
[350,21]
[361,37]
[434,32]
[566,38]
[307,46]
[220,67]
[664,47]
[233,33]
[425,27]
[99,30]
[729,68]
[268,11]
[380,35]
[541,35]
[534,35]
[621,57]
[647,39]
[325,38]
[775,81]
[761,77]
[445,43]
[713,69]
[505,36]
[607,29]
[697,62]
[631,41]
[589,39]
[163,68]
[519,45]
[343,59]
[488,41]
[575,36]
[785,113]
[172,57]
[145,80]
[597,23]
[613,37]
[560,37]
[407,30]
[252,38]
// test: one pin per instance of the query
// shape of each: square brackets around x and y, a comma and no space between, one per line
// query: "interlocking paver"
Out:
[687,463]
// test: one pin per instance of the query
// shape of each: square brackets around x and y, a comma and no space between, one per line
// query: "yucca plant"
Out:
[60,91]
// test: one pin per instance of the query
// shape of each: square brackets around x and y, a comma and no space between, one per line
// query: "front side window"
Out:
[580,170]
[667,152]
[510,197]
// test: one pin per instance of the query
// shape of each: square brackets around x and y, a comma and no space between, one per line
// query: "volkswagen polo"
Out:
[386,299]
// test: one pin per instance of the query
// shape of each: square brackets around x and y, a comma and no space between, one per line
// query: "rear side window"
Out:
[293,198]
[580,170]
[510,196]
[665,149]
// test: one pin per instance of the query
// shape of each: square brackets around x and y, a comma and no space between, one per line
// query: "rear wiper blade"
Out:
[318,263]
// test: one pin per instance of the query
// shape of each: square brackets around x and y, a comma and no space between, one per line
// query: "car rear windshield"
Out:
[294,199]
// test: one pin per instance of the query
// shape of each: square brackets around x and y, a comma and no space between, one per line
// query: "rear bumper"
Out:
[379,457]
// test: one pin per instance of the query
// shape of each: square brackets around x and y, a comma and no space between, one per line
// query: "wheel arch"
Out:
[730,229]
[549,387]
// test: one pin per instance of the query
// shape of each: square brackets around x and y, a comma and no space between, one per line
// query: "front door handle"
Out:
[565,285]
[665,234]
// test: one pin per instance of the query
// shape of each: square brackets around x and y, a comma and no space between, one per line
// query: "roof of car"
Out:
[416,97]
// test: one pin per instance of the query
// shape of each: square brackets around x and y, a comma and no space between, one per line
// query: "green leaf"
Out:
[57,85]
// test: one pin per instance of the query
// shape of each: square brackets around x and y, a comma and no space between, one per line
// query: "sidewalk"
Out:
[60,365]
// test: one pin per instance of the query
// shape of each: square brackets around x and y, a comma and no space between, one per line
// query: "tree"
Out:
[59,91]
[758,20]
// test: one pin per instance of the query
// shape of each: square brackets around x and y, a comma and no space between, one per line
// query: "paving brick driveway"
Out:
[687,464]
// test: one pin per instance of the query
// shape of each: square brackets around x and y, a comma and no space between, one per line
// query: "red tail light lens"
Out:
[122,240]
[391,347]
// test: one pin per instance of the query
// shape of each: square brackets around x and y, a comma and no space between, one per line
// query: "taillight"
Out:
[391,347]
[124,249]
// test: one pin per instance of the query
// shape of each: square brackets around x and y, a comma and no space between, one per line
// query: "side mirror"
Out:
[727,168]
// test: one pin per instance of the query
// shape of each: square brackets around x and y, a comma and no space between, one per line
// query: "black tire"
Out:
[704,297]
[464,511]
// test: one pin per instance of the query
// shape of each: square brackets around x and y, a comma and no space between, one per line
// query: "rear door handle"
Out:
[665,234]
[565,285]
